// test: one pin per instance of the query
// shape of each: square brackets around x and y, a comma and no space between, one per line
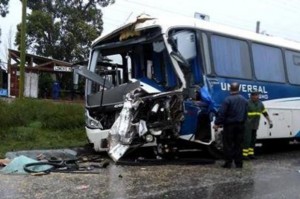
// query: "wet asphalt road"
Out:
[273,175]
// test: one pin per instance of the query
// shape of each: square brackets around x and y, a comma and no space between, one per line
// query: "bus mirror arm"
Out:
[172,42]
[179,58]
[176,54]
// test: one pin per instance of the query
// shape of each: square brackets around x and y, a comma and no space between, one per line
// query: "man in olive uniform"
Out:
[255,109]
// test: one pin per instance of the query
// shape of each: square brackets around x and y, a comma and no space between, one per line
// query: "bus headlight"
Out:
[91,122]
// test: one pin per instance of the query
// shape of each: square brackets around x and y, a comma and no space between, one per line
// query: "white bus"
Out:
[143,83]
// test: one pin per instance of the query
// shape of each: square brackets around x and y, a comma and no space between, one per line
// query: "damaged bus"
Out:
[158,83]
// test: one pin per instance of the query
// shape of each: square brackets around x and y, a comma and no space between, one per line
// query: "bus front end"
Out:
[133,91]
[140,82]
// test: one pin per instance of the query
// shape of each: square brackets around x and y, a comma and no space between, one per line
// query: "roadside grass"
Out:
[27,124]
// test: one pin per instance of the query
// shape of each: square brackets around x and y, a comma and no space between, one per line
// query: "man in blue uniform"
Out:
[232,116]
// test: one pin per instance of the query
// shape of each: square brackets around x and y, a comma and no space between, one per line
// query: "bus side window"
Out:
[266,58]
[231,57]
[187,46]
[293,66]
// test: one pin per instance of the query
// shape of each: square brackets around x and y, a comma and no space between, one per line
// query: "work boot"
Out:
[252,157]
[227,165]
[246,158]
[239,165]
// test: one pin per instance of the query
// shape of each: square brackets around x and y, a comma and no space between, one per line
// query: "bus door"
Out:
[196,125]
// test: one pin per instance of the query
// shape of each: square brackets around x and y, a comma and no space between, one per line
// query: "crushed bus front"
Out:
[137,91]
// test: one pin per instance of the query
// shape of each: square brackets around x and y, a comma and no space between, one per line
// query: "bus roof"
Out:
[144,22]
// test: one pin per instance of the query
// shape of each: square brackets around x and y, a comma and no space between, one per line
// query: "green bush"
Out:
[4,119]
[62,116]
[21,112]
[52,115]
[40,124]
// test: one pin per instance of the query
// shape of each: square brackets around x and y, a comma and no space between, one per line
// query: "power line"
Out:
[155,7]
[220,18]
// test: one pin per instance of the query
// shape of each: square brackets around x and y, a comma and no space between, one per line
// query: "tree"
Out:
[63,29]
[6,44]
[3,10]
[3,7]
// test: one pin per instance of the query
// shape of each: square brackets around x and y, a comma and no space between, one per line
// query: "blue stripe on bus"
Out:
[271,91]
[298,135]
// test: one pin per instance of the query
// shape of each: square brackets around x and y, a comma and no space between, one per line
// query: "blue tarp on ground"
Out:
[16,166]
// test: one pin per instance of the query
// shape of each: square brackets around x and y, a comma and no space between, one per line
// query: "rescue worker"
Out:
[255,109]
[232,115]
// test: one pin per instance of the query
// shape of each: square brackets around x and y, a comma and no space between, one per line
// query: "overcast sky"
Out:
[277,17]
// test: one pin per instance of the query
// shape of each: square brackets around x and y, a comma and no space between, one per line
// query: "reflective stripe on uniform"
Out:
[250,151]
[254,113]
[245,152]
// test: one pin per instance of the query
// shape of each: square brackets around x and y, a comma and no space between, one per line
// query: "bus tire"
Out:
[215,151]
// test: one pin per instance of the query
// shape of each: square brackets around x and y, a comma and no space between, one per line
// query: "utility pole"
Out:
[23,49]
[258,27]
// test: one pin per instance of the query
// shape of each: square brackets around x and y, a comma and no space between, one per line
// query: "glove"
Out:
[270,125]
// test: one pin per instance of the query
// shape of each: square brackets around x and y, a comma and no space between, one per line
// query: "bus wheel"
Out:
[215,151]
[165,151]
[276,144]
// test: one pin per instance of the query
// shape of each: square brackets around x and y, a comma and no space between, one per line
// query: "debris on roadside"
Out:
[82,187]
[43,162]
[104,163]
[69,166]
[4,162]
[16,166]
[43,154]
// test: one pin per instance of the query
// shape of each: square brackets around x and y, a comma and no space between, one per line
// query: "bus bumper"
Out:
[98,138]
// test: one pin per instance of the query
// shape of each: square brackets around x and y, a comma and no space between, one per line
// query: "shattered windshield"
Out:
[147,61]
